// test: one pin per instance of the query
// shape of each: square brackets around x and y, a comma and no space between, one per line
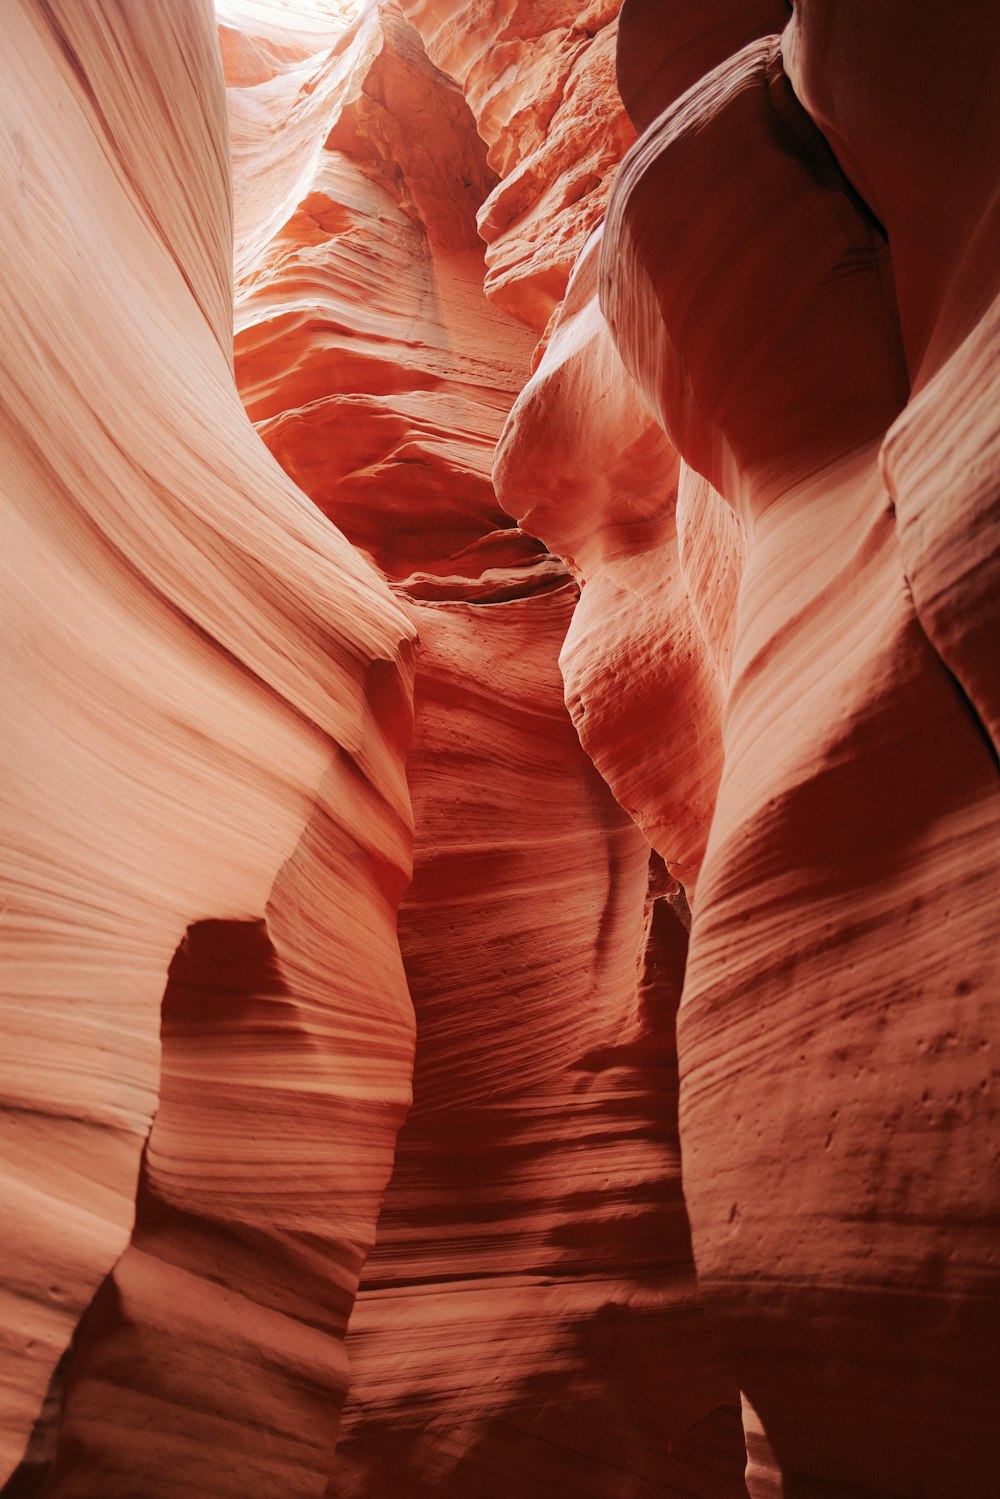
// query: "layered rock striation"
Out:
[533,1262]
[207,826]
[533,728]
[539,79]
[838,1115]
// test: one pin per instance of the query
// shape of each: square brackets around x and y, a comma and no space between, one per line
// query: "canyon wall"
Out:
[500,590]
[838,1114]
[208,1036]
[533,1262]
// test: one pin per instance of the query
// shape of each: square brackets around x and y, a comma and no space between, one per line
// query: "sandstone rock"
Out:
[744,526]
[533,1260]
[839,1003]
[365,351]
[658,554]
[528,1318]
[659,57]
[539,78]
[940,459]
[210,711]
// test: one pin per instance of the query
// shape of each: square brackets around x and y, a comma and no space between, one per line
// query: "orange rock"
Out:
[528,1317]
[743,524]
[523,931]
[539,78]
[658,554]
[941,459]
[839,1001]
[211,712]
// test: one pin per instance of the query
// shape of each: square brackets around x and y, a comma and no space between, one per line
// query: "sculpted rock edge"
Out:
[838,1103]
[207,823]
[534,726]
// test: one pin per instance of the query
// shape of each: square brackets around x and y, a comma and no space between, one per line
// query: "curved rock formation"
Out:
[539,78]
[940,459]
[658,556]
[211,711]
[365,351]
[838,1011]
[533,1261]
[691,630]
[532,1269]
[659,58]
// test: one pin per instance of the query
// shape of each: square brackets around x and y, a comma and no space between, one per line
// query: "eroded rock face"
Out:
[658,555]
[532,1275]
[210,695]
[729,592]
[533,1265]
[539,78]
[837,1110]
[940,458]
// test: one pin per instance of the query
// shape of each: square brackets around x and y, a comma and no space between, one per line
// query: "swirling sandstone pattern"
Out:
[838,1115]
[211,711]
[539,78]
[658,555]
[533,1262]
[733,596]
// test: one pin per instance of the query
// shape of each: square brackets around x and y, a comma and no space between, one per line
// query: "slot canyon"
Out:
[501,814]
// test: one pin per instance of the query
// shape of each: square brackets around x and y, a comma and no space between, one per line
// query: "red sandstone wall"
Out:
[210,706]
[533,1260]
[838,1122]
[755,479]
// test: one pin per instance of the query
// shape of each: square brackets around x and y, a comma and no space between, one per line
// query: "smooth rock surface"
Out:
[838,1114]
[533,1264]
[940,459]
[658,556]
[210,695]
[719,577]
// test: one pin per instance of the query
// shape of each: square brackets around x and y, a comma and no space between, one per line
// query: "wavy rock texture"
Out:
[533,1264]
[532,1269]
[940,460]
[211,692]
[365,351]
[838,1116]
[755,477]
[539,78]
[658,556]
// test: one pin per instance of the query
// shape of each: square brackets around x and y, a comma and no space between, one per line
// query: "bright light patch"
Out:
[302,18]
